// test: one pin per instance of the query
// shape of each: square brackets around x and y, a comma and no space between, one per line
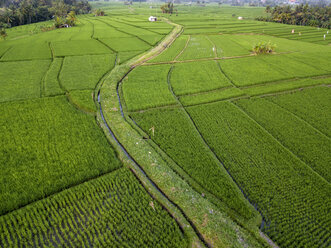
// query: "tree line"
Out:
[20,12]
[302,14]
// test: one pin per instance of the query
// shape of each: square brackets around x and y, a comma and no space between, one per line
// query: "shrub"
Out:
[3,33]
[264,48]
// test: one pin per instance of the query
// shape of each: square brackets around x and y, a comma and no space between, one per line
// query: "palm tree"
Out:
[71,18]
[8,17]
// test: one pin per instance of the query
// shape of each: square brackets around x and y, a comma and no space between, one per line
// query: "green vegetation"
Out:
[79,47]
[111,211]
[309,105]
[25,12]
[211,96]
[173,131]
[198,47]
[303,15]
[27,50]
[311,146]
[84,72]
[83,100]
[264,48]
[173,51]
[21,79]
[42,151]
[147,87]
[272,177]
[51,86]
[189,78]
[223,144]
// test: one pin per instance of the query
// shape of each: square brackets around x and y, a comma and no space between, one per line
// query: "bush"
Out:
[264,48]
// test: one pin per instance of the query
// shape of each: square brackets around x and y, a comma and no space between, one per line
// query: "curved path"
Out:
[199,218]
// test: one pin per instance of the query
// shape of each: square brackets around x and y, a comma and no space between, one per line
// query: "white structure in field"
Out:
[152,19]
[240,18]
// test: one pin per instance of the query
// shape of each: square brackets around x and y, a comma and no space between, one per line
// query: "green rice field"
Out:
[120,132]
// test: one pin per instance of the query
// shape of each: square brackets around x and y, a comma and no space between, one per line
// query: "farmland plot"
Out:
[22,79]
[286,85]
[103,30]
[198,47]
[250,71]
[28,50]
[176,135]
[147,87]
[305,142]
[84,72]
[226,47]
[51,85]
[211,96]
[311,105]
[111,211]
[83,100]
[79,47]
[48,146]
[173,51]
[126,44]
[189,78]
[274,180]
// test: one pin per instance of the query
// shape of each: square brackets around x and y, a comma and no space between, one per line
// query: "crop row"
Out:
[175,134]
[309,145]
[111,211]
[292,198]
[46,146]
[147,87]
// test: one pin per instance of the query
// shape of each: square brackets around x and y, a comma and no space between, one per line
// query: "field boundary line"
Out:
[123,22]
[142,171]
[206,59]
[126,32]
[43,80]
[280,143]
[167,45]
[184,48]
[321,76]
[137,147]
[260,95]
[214,46]
[61,190]
[226,75]
[206,91]
[217,160]
[122,71]
[58,77]
[5,53]
[111,49]
[52,50]
[299,118]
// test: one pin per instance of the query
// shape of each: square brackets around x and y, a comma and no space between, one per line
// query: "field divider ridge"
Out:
[299,118]
[155,168]
[220,163]
[114,77]
[181,52]
[280,143]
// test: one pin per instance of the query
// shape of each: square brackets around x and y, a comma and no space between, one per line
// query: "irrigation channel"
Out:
[140,61]
[134,163]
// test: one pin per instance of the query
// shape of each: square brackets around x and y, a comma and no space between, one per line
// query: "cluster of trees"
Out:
[168,8]
[19,12]
[300,15]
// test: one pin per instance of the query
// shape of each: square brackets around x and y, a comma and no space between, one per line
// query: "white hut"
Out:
[240,18]
[152,19]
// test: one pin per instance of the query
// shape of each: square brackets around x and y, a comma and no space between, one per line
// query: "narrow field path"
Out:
[154,172]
